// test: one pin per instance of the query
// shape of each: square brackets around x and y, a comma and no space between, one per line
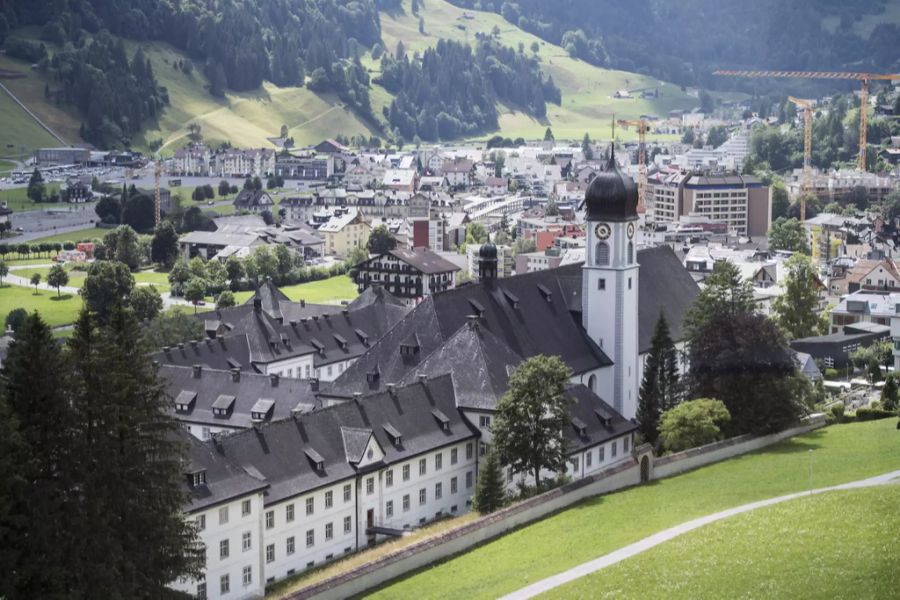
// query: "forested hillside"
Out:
[453,91]
[685,41]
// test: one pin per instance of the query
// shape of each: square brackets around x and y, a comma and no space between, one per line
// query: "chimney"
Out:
[314,384]
[391,388]
[235,374]
[302,302]
[422,377]
[473,320]
[198,371]
[257,304]
[357,396]
[274,379]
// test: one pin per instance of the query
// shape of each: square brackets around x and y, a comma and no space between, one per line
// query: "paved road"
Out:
[647,543]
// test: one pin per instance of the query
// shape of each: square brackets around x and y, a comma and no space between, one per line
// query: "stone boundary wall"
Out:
[455,541]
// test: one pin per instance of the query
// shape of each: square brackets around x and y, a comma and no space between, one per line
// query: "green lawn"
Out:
[160,280]
[324,291]
[76,278]
[11,261]
[55,311]
[74,236]
[599,525]
[835,545]
[17,199]
[19,129]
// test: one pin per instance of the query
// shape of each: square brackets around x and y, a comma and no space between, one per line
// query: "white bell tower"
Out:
[610,283]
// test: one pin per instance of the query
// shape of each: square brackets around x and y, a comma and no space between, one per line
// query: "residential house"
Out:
[410,275]
[345,229]
[253,200]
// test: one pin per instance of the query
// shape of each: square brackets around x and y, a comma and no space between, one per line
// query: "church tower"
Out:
[610,283]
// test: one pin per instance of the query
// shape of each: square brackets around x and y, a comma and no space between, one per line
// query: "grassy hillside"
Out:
[19,130]
[586,90]
[248,118]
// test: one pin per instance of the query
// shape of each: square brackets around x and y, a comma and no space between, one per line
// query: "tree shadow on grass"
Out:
[62,298]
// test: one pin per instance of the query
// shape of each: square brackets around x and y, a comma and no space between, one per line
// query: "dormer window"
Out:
[184,402]
[262,410]
[394,434]
[372,377]
[196,477]
[580,427]
[316,459]
[342,342]
[223,405]
[604,417]
[442,419]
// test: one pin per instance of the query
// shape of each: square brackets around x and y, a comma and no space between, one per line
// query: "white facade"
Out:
[610,281]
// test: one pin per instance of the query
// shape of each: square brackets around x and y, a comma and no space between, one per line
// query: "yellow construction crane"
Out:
[807,107]
[641,126]
[863,78]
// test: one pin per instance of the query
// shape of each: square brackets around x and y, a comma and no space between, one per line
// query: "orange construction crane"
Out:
[807,107]
[642,126]
[863,78]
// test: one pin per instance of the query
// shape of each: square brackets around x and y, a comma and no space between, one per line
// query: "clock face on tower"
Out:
[630,230]
[602,231]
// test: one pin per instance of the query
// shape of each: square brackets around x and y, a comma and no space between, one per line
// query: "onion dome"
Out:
[488,251]
[612,195]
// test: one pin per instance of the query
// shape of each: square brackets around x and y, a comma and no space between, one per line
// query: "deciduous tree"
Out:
[57,277]
[795,308]
[693,423]
[164,247]
[788,234]
[107,283]
[146,302]
[381,241]
[531,415]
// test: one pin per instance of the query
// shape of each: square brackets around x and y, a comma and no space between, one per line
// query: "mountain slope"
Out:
[587,90]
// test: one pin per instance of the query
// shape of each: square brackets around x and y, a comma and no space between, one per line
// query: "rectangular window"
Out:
[484,422]
[370,486]
[310,506]
[469,451]
[601,284]
[468,479]
[602,455]
[405,502]
[245,508]
[438,491]
[201,590]
[575,464]
[389,478]
[270,553]
[329,499]
[289,546]
[389,509]
[625,445]
[405,472]
[438,461]
[201,522]
[453,485]
[423,466]
[348,525]
[454,456]
[423,496]
[223,549]
[223,515]
[629,283]
[587,458]
[270,519]
[246,541]
[224,585]
[289,512]
[310,538]
[613,450]
[248,575]
[347,493]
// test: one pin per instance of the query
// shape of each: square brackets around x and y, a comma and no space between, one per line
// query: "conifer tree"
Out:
[37,536]
[489,491]
[132,500]
[660,388]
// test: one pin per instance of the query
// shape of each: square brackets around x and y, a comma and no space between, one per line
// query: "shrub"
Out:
[831,373]
[693,423]
[873,414]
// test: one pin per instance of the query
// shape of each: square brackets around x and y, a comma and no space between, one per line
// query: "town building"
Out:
[743,202]
[410,275]
[505,262]
[345,230]
[253,201]
[307,168]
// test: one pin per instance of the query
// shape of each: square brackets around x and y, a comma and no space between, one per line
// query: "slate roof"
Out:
[277,450]
[424,260]
[588,408]
[224,480]
[245,338]
[250,198]
[375,294]
[286,394]
[544,319]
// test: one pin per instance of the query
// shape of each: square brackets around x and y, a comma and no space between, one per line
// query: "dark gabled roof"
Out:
[423,260]
[273,449]
[224,480]
[479,363]
[375,294]
[664,285]
[584,410]
[251,390]
[248,198]
[355,442]
[210,353]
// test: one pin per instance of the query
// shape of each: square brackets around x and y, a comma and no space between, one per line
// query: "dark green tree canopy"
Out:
[381,241]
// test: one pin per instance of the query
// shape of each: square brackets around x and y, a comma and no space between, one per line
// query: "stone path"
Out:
[667,534]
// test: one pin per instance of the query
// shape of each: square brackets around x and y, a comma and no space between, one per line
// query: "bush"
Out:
[838,411]
[831,373]
[693,423]
[873,414]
